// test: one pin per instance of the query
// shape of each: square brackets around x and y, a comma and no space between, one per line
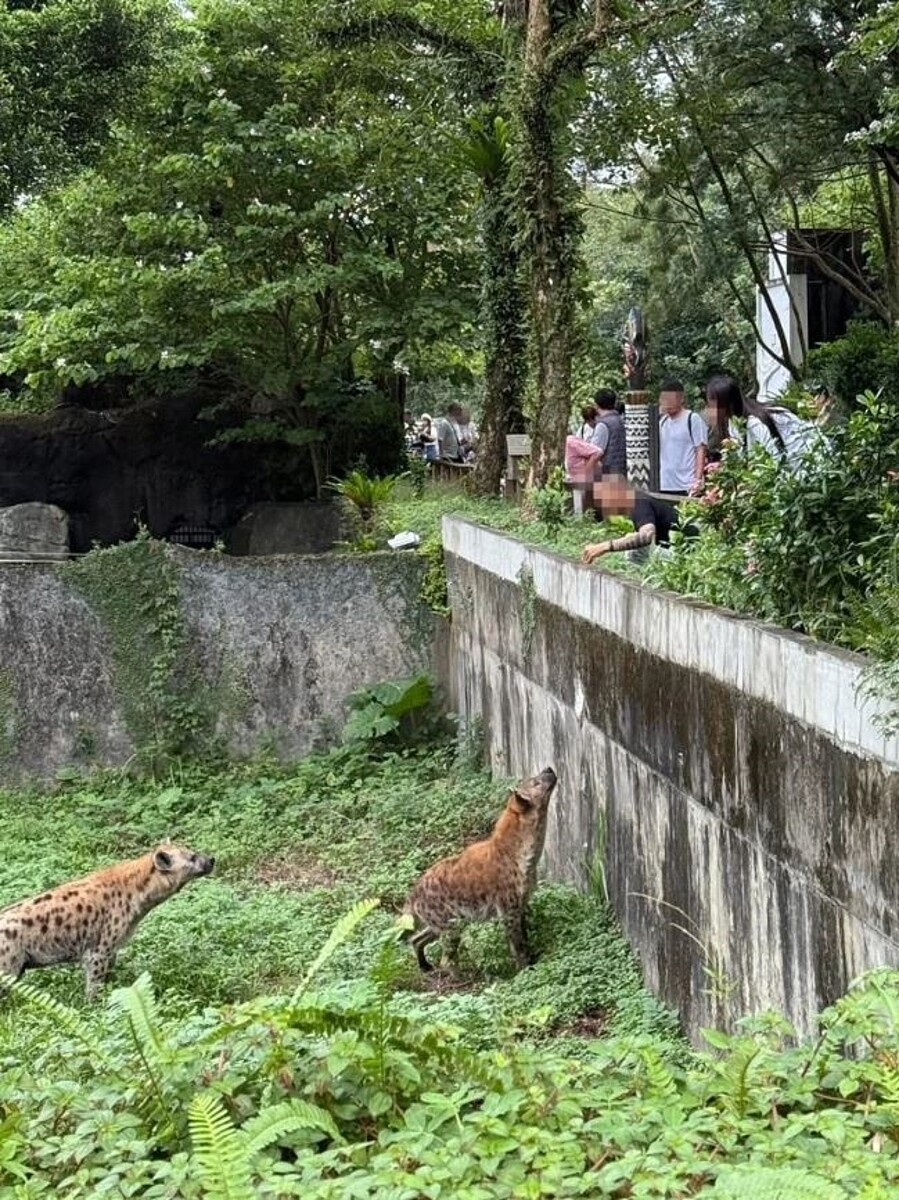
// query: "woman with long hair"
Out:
[778,430]
[723,402]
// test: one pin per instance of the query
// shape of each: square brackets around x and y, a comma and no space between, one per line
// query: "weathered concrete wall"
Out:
[280,643]
[745,805]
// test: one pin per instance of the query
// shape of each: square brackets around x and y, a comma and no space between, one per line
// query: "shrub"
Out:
[866,359]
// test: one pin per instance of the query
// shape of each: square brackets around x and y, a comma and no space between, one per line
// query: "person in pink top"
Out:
[581,458]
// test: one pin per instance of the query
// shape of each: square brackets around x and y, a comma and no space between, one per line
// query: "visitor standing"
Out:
[683,439]
[468,434]
[779,431]
[608,433]
[588,423]
[448,429]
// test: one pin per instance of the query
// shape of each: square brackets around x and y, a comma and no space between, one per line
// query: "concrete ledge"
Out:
[812,681]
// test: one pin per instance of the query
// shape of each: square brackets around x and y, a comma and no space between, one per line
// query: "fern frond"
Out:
[338,935]
[138,1004]
[773,1183]
[270,1125]
[423,1042]
[218,1150]
[67,1018]
[658,1073]
[738,1075]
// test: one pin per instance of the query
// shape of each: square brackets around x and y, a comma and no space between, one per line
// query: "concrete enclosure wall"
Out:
[279,641]
[744,804]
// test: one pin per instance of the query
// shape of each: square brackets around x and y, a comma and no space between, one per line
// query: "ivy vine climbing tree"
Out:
[525,66]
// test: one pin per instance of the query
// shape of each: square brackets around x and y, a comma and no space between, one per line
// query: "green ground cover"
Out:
[268,1035]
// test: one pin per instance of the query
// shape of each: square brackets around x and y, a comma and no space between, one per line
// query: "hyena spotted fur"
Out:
[491,879]
[90,919]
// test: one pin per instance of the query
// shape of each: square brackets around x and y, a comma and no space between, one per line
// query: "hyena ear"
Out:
[162,861]
[522,803]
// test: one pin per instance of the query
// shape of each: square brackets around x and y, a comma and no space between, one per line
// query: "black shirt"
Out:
[649,511]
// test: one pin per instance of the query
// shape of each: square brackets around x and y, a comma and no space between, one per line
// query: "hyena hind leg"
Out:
[424,937]
[517,935]
[450,940]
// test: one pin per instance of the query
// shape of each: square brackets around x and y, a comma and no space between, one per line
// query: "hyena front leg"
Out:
[97,965]
[513,921]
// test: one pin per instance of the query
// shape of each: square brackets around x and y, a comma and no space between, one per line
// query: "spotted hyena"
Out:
[90,919]
[492,878]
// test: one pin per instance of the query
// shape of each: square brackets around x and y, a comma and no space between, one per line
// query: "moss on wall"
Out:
[134,589]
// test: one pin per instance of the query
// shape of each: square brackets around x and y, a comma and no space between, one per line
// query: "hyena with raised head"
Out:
[493,878]
[90,919]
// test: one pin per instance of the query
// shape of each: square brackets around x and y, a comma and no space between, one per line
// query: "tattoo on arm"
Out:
[644,536]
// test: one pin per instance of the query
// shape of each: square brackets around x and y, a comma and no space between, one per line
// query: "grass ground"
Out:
[423,516]
[295,848]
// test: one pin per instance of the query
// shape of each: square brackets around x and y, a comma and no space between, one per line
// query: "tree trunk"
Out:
[551,226]
[505,336]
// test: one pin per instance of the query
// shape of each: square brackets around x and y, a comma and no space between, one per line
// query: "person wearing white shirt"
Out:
[683,442]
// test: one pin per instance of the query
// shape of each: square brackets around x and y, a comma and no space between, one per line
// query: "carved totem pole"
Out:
[640,419]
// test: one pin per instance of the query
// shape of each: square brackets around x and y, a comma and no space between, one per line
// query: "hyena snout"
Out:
[204,864]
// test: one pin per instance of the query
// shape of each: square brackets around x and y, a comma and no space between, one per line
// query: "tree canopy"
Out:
[306,206]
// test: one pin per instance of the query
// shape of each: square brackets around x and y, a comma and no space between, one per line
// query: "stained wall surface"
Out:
[279,644]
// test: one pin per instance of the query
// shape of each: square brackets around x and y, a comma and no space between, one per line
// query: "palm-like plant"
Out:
[364,498]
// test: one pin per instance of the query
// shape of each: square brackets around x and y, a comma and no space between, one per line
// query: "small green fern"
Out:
[62,1015]
[341,932]
[137,1004]
[220,1153]
[225,1155]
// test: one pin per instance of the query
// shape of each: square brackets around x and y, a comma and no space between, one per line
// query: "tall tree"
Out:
[269,219]
[67,68]
[763,114]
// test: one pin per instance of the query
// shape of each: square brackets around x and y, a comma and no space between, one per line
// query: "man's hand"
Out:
[595,551]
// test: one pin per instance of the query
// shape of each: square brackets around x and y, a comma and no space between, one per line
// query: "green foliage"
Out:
[865,360]
[551,503]
[390,712]
[53,121]
[354,1092]
[364,500]
[297,235]
[345,1082]
[812,549]
[434,588]
[417,470]
[135,590]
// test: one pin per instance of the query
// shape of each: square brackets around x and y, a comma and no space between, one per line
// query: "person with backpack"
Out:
[683,442]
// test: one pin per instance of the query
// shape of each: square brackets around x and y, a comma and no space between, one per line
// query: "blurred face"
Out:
[671,402]
[465,416]
[713,410]
[614,496]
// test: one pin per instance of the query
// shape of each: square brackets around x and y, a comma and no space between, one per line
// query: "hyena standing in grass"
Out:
[90,919]
[493,878]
